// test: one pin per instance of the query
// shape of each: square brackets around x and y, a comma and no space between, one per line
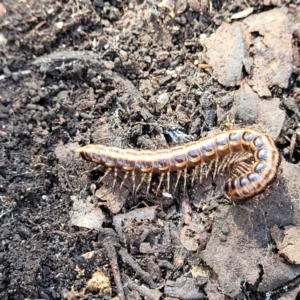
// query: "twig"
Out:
[145,276]
[67,179]
[113,260]
[152,294]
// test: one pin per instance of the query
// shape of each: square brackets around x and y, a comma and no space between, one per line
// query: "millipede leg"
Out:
[184,178]
[201,173]
[115,178]
[94,169]
[216,168]
[242,168]
[107,172]
[225,163]
[161,178]
[209,169]
[149,183]
[168,182]
[238,158]
[242,157]
[124,179]
[232,160]
[133,182]
[177,179]
[195,171]
[141,182]
[221,165]
[247,167]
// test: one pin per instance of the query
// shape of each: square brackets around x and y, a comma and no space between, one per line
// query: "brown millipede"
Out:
[247,180]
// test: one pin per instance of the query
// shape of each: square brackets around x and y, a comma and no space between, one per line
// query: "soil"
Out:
[138,74]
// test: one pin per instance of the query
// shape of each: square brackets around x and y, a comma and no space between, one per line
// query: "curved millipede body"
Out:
[247,180]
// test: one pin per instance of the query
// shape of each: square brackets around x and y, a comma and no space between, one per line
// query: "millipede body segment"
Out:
[246,181]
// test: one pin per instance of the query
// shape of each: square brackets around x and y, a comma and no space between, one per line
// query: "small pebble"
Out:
[7,71]
[225,229]
[15,77]
[30,127]
[32,92]
[37,115]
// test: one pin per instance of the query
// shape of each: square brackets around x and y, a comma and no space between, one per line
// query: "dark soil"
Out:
[117,73]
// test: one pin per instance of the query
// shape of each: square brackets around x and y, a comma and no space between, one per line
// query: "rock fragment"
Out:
[226,51]
[255,44]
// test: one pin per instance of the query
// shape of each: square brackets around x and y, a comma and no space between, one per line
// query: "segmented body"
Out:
[247,180]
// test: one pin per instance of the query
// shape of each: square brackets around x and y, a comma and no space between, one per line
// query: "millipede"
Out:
[251,157]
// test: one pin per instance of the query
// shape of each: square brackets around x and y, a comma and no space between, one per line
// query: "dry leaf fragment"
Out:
[85,214]
[99,283]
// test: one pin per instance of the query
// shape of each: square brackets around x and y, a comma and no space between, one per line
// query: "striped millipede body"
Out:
[223,150]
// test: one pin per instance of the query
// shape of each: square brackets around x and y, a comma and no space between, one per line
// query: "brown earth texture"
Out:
[145,75]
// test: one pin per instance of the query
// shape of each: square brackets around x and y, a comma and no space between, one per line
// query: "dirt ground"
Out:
[144,74]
